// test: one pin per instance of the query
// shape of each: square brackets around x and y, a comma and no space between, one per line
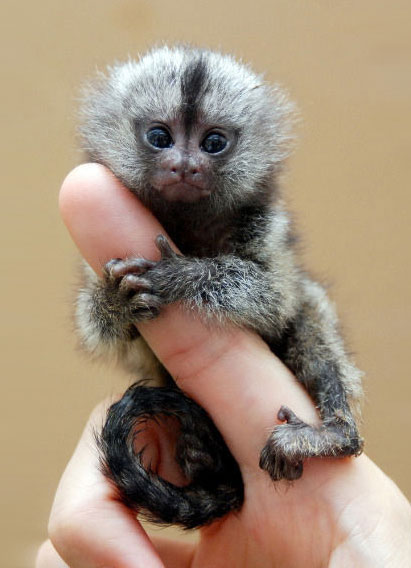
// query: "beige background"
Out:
[348,66]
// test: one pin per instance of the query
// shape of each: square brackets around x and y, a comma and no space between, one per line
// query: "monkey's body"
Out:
[238,266]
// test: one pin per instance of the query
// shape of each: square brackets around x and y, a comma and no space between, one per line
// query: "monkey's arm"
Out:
[224,288]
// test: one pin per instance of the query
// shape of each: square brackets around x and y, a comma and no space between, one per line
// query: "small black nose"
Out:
[173,163]
[179,166]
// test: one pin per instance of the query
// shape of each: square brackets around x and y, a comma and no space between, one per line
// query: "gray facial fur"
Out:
[225,214]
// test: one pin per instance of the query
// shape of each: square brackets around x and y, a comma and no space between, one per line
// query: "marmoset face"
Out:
[187,126]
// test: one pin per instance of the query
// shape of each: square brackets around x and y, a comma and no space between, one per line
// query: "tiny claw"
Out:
[108,267]
[131,266]
[164,247]
[134,282]
[287,415]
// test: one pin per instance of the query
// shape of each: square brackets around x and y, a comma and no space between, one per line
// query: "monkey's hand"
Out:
[138,287]
[127,293]
[128,290]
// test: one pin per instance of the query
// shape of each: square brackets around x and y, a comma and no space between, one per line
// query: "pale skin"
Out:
[341,513]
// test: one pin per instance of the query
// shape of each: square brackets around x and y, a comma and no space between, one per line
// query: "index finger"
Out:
[230,371]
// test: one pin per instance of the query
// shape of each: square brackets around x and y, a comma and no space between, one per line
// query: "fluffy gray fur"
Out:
[239,264]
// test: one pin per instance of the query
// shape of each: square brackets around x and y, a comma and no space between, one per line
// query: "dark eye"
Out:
[214,143]
[159,138]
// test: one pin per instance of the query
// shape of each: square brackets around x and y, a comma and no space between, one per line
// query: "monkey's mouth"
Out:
[182,191]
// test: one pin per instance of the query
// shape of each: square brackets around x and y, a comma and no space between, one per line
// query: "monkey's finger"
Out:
[164,247]
[89,527]
[136,283]
[119,268]
[229,371]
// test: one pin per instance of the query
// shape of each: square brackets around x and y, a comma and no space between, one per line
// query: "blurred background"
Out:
[348,67]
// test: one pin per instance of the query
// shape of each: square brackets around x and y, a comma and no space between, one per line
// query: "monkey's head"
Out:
[188,126]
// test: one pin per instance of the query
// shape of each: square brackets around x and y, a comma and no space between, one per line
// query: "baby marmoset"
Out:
[200,140]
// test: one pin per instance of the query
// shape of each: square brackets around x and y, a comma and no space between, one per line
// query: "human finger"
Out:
[230,372]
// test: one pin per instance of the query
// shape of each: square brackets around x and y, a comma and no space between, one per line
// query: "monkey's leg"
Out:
[214,484]
[315,353]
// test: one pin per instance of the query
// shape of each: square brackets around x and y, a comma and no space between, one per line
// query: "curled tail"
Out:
[215,485]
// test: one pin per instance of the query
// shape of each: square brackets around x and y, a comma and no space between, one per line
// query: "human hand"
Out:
[343,512]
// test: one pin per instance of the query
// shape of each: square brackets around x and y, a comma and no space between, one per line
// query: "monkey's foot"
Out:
[128,288]
[290,443]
